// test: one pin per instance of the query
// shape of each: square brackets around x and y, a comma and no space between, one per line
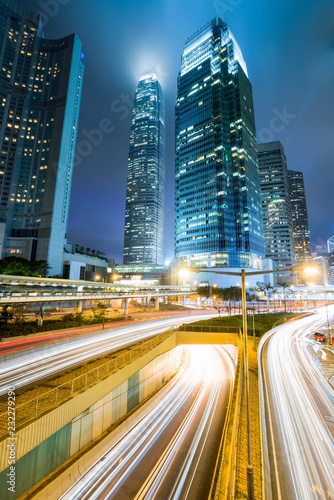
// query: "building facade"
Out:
[218,217]
[276,208]
[40,92]
[330,244]
[301,232]
[144,211]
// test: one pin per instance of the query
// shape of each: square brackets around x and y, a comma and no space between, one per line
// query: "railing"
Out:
[210,329]
[61,393]
[224,476]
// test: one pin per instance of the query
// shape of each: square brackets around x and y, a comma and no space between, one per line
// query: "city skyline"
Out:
[286,109]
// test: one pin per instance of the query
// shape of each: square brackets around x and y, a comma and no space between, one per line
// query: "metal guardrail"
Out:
[50,399]
[223,484]
[209,329]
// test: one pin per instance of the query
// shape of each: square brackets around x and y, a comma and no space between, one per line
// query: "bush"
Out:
[263,322]
[71,321]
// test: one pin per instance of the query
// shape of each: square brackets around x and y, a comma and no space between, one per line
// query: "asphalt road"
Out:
[299,412]
[29,366]
[171,452]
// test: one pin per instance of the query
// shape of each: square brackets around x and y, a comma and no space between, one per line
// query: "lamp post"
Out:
[243,274]
[97,277]
[328,325]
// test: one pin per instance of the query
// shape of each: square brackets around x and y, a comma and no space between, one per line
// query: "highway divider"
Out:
[223,483]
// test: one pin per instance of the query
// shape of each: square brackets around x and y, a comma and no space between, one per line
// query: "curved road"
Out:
[299,412]
[27,367]
[171,451]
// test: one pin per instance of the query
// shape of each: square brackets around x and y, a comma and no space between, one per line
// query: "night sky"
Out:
[288,46]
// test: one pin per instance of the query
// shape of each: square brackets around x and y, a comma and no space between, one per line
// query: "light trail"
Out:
[27,367]
[120,464]
[302,398]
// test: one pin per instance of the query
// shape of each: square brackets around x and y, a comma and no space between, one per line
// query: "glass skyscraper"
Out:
[40,93]
[218,217]
[301,232]
[144,213]
[276,206]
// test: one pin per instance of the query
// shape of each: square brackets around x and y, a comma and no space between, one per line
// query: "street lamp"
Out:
[328,325]
[97,277]
[308,270]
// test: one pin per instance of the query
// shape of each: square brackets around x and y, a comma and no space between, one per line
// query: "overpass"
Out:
[84,290]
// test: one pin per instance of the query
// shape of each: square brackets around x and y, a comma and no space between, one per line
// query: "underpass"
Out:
[47,426]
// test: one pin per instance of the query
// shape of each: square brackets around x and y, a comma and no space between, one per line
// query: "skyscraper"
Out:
[301,232]
[144,212]
[276,207]
[218,218]
[40,92]
[330,244]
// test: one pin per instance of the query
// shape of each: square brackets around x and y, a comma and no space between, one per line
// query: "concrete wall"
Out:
[89,424]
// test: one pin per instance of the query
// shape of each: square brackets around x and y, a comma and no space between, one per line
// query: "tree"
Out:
[5,316]
[204,291]
[81,249]
[231,293]
[284,285]
[266,291]
[22,267]
[87,250]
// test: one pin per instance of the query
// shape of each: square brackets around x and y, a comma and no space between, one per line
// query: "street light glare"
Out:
[311,271]
[183,272]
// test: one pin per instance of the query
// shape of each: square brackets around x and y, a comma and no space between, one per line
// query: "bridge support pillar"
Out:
[126,307]
[166,299]
[79,307]
[157,303]
[306,305]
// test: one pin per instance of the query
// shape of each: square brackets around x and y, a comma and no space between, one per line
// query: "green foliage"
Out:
[263,322]
[76,318]
[19,311]
[204,291]
[171,307]
[71,321]
[18,266]
[230,293]
[5,315]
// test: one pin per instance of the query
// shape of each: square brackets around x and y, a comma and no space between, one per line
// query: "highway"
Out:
[170,452]
[298,403]
[29,366]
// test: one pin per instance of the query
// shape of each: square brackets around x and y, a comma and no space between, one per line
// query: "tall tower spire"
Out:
[144,213]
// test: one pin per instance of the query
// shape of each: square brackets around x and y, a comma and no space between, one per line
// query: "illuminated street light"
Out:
[311,271]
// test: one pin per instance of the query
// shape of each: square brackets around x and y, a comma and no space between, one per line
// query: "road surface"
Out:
[299,412]
[27,367]
[171,451]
